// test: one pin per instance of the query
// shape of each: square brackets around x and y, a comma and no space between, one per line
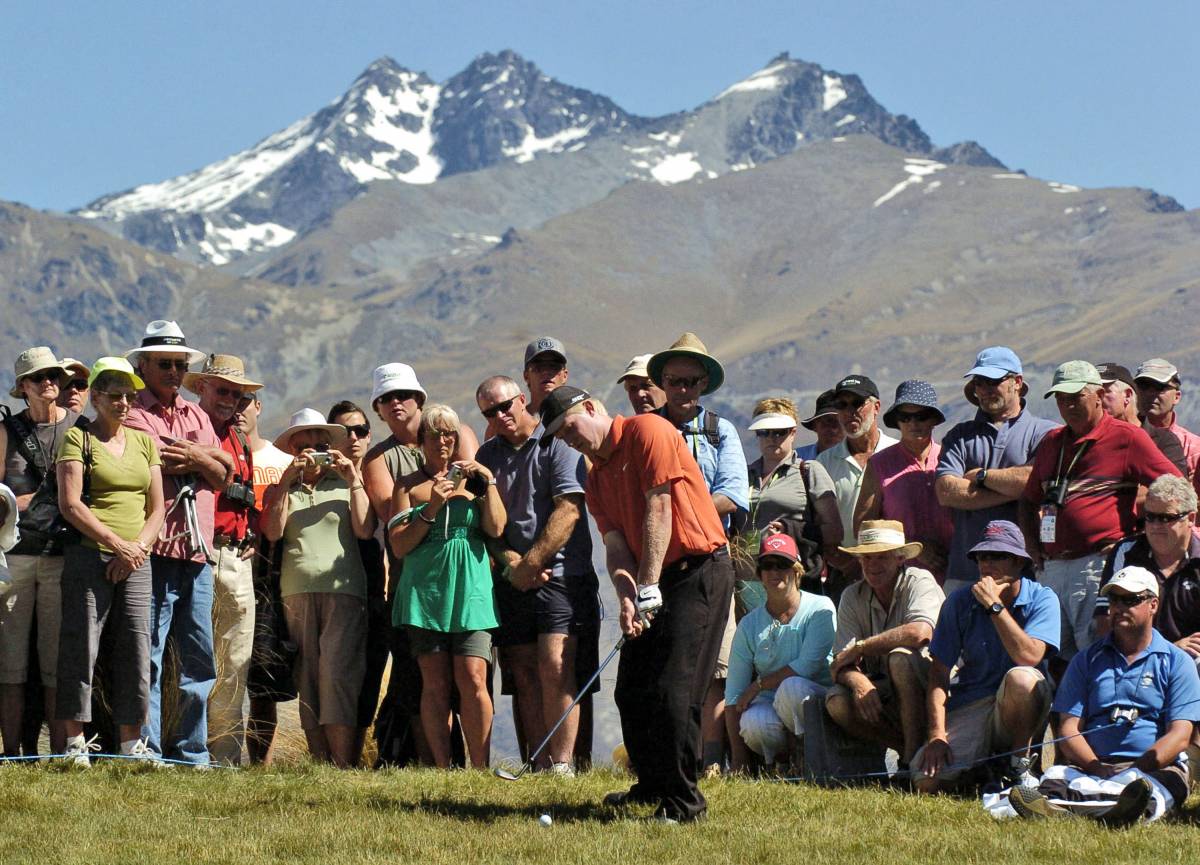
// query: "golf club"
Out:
[505,774]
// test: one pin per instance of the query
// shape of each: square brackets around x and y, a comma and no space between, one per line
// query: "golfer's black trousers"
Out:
[662,679]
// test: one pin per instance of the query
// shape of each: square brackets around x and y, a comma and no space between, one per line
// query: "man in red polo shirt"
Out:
[1081,495]
[663,538]
[224,392]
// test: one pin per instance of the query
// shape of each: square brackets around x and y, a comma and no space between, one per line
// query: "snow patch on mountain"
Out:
[223,244]
[531,145]
[917,170]
[388,127]
[835,92]
[763,79]
[213,187]
[676,168]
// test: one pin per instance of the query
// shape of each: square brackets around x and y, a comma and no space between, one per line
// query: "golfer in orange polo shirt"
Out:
[663,540]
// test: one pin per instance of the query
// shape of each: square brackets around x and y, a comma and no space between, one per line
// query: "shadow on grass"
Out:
[443,806]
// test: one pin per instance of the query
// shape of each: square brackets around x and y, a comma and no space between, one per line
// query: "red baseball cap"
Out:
[779,545]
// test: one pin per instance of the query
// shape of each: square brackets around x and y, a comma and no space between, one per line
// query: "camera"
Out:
[1128,714]
[322,458]
[240,493]
[1056,493]
[455,474]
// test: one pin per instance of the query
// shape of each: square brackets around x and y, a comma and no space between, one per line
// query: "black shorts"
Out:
[561,606]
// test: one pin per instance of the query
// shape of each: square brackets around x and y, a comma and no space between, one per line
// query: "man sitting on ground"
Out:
[884,624]
[1135,698]
[998,632]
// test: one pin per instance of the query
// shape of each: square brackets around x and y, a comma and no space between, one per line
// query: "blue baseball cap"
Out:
[996,362]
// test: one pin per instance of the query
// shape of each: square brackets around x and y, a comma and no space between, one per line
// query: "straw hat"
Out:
[226,367]
[33,360]
[688,345]
[307,419]
[164,337]
[881,536]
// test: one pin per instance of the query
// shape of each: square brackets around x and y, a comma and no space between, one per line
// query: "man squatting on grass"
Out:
[663,539]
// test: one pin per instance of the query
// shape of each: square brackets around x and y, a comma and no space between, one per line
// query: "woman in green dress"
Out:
[444,598]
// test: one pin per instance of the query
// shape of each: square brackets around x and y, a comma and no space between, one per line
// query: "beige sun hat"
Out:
[306,419]
[688,345]
[226,367]
[636,367]
[33,360]
[881,536]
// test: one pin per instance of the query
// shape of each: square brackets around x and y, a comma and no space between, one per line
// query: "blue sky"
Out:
[100,97]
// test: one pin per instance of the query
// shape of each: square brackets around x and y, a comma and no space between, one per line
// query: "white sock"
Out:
[76,741]
[127,745]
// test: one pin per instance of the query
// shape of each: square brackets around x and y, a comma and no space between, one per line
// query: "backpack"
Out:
[709,430]
[43,530]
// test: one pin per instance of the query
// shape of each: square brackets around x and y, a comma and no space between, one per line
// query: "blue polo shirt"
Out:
[529,478]
[975,444]
[723,466]
[966,636]
[1161,684]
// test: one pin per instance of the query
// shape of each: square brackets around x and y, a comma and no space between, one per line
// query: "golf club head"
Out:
[506,775]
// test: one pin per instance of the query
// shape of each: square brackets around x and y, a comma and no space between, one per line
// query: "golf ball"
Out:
[545,820]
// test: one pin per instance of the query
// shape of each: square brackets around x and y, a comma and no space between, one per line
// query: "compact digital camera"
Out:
[323,458]
[240,493]
[455,475]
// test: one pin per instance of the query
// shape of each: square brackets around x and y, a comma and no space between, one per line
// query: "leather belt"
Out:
[222,540]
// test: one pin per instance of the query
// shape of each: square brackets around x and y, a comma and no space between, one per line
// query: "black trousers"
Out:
[662,679]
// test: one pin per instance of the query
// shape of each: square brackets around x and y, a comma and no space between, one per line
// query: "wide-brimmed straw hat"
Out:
[307,419]
[164,337]
[226,367]
[688,345]
[881,536]
[33,360]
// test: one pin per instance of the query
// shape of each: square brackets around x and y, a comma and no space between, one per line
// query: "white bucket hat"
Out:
[164,337]
[306,419]
[395,376]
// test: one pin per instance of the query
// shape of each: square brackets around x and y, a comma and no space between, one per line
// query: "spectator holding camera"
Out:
[1079,499]
[320,510]
[444,597]
[224,393]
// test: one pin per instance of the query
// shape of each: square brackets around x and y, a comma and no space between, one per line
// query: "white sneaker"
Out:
[139,754]
[563,770]
[77,750]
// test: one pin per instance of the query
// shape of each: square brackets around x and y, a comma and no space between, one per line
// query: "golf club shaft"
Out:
[582,692]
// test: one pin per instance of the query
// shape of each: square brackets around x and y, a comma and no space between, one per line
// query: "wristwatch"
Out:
[981,479]
[996,609]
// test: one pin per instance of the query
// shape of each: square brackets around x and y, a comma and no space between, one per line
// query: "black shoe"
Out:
[623,798]
[1130,805]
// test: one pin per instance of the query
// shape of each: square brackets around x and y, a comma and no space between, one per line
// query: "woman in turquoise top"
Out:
[444,598]
[780,655]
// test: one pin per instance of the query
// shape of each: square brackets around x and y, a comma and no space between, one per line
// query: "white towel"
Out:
[1101,793]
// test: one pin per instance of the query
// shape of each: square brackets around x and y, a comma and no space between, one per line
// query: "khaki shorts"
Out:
[36,589]
[919,661]
[974,731]
[471,644]
[722,669]
[330,632]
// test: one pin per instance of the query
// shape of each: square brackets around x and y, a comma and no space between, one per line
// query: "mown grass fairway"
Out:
[311,814]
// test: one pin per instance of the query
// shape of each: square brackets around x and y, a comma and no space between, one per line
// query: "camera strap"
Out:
[1060,476]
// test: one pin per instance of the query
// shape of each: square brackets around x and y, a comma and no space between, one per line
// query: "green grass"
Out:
[308,814]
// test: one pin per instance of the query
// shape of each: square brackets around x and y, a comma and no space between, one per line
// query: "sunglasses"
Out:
[119,396]
[1152,385]
[398,396]
[442,434]
[984,381]
[1128,601]
[1164,518]
[774,564]
[43,375]
[850,404]
[918,416]
[683,382]
[166,364]
[993,556]
[76,384]
[774,433]
[228,392]
[359,430]
[244,402]
[490,413]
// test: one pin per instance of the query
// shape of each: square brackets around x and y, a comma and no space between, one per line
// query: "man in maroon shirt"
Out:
[1081,494]
[224,393]
[663,540]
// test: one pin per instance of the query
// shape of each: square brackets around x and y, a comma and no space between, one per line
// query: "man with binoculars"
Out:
[1081,494]
[224,392]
